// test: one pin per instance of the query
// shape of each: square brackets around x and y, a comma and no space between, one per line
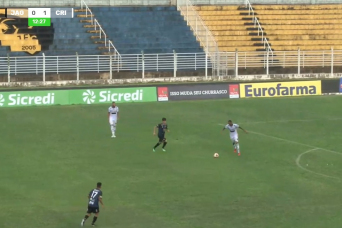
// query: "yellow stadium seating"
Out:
[304,42]
[301,22]
[297,7]
[311,27]
[298,27]
[231,38]
[235,43]
[305,37]
[242,48]
[299,17]
[287,27]
[309,48]
[227,27]
[278,32]
[296,12]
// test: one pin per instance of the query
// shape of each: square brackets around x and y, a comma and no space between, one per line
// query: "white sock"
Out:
[112,129]
[238,147]
[234,145]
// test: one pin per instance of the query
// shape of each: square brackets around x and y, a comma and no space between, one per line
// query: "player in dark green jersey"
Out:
[95,197]
[162,128]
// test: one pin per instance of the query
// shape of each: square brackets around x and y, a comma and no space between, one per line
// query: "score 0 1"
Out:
[39,13]
[39,17]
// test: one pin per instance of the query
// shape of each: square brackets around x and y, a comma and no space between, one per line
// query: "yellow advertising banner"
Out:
[281,89]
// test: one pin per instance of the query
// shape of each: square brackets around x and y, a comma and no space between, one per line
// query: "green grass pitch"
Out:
[289,173]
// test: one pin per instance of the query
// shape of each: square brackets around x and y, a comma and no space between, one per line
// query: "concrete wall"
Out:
[31,3]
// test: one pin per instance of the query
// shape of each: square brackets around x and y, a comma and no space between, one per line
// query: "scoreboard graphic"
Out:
[37,16]
[29,30]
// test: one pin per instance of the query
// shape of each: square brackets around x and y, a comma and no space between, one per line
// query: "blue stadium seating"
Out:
[71,37]
[131,29]
[148,29]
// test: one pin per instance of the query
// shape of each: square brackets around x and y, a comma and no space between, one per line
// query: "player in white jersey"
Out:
[113,116]
[234,135]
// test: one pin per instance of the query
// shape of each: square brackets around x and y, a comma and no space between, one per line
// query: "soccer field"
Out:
[288,174]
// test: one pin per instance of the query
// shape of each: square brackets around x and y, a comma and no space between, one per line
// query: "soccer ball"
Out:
[216,155]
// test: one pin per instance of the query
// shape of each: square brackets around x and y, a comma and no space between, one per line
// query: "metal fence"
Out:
[230,63]
[51,3]
[297,60]
[42,65]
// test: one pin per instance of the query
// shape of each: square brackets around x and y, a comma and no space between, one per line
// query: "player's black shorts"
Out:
[93,210]
[161,138]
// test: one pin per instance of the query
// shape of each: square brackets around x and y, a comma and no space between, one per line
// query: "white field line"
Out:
[308,170]
[313,148]
[288,121]
[294,142]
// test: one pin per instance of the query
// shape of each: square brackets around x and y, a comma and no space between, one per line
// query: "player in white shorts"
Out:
[234,135]
[113,116]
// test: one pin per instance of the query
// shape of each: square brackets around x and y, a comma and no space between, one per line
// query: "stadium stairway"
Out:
[148,29]
[232,28]
[308,27]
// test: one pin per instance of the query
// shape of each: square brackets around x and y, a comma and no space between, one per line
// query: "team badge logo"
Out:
[19,37]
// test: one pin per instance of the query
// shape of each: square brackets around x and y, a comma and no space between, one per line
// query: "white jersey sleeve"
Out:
[236,126]
[227,126]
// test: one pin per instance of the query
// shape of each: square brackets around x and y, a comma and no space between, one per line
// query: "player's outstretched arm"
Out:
[243,130]
[223,130]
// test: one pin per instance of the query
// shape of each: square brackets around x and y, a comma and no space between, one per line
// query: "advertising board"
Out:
[163,94]
[78,96]
[280,89]
[121,95]
[193,92]
[34,98]
[340,85]
[234,91]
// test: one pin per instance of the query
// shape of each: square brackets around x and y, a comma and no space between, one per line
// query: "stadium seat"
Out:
[230,27]
[294,7]
[308,27]
[286,27]
[148,29]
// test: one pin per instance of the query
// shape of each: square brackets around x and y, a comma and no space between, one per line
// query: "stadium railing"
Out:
[201,31]
[102,34]
[43,65]
[174,62]
[257,25]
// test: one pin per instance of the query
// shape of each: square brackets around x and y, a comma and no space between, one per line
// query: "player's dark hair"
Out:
[113,102]
[164,119]
[99,184]
[229,121]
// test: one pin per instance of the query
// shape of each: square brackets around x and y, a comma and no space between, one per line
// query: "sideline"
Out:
[288,121]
